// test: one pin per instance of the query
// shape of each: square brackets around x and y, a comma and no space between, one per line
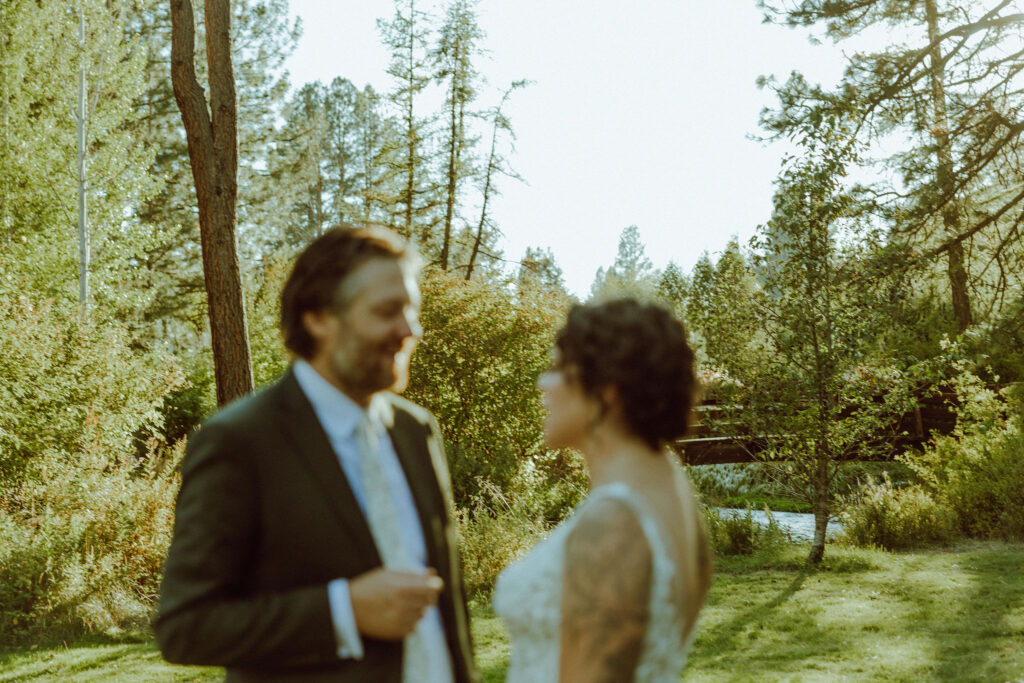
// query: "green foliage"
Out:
[632,274]
[476,369]
[492,535]
[882,515]
[811,384]
[978,470]
[720,310]
[741,534]
[38,147]
[969,483]
[81,551]
[941,101]
[71,389]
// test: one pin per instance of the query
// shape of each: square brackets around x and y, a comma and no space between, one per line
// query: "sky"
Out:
[640,113]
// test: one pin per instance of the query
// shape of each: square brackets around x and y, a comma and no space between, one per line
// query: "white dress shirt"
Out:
[339,416]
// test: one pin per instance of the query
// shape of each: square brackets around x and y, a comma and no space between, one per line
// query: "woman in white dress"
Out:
[613,593]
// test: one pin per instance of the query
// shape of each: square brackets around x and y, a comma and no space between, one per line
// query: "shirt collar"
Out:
[338,414]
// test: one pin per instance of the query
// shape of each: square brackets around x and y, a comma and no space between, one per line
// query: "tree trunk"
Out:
[410,131]
[213,152]
[83,224]
[449,209]
[491,164]
[956,270]
[821,507]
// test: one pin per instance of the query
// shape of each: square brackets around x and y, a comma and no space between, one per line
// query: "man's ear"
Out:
[316,323]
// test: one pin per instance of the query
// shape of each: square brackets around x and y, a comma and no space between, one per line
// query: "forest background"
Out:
[854,299]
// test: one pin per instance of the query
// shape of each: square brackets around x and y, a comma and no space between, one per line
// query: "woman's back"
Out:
[617,561]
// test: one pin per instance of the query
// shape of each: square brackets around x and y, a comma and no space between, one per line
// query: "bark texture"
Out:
[213,152]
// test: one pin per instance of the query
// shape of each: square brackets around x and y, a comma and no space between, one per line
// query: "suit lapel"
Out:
[314,451]
[409,440]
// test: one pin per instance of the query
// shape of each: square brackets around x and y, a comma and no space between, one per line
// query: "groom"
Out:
[312,540]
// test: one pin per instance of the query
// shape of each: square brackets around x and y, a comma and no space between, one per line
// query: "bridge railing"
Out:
[713,440]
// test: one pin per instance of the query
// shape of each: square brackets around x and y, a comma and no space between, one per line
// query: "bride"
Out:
[613,593]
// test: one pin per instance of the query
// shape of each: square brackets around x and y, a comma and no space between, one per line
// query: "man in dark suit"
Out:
[312,539]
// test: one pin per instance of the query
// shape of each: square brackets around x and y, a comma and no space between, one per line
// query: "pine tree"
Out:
[956,98]
[407,36]
[632,274]
[53,53]
[496,166]
[262,37]
[211,128]
[454,70]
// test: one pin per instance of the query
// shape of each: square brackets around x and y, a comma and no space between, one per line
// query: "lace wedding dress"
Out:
[528,597]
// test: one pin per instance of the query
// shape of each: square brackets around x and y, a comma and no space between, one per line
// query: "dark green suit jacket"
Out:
[265,519]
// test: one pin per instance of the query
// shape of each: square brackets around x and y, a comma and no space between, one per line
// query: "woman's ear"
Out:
[610,398]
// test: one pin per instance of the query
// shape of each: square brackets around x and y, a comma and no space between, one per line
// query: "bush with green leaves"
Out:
[740,534]
[882,515]
[72,387]
[968,483]
[494,532]
[476,368]
[978,470]
[81,550]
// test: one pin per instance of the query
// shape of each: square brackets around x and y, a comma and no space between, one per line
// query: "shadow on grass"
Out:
[28,645]
[47,663]
[967,648]
[727,633]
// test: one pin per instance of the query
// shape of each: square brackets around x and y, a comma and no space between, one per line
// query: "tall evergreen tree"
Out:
[407,36]
[496,166]
[955,96]
[632,274]
[262,38]
[49,50]
[538,269]
[454,70]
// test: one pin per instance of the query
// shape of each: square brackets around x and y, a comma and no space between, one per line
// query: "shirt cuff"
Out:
[350,645]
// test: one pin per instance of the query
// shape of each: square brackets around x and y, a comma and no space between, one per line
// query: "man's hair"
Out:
[315,282]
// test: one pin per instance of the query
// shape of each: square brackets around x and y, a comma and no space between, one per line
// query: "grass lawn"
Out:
[951,615]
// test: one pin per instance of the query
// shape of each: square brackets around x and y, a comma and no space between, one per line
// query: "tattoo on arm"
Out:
[605,596]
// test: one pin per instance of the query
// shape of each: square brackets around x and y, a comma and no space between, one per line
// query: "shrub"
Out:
[70,386]
[978,470]
[970,482]
[741,534]
[83,550]
[980,476]
[495,532]
[882,515]
[476,369]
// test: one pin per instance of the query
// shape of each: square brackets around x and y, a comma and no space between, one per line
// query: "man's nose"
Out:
[410,326]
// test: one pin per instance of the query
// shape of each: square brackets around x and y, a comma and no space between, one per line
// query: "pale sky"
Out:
[639,114]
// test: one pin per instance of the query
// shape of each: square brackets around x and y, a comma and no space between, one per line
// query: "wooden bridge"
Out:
[703,446]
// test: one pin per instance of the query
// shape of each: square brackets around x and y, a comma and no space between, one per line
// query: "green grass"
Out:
[952,615]
[867,615]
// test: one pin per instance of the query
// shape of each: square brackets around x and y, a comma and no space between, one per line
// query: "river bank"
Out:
[799,525]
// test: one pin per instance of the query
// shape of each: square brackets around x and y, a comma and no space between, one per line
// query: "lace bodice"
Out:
[528,597]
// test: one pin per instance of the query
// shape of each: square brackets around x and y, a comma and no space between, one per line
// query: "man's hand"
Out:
[387,604]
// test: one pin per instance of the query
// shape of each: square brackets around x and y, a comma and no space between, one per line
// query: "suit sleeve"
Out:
[207,615]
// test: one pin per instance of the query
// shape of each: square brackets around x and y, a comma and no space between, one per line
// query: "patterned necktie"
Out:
[381,512]
[382,515]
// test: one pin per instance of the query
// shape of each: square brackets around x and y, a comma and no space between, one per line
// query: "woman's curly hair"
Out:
[641,349]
